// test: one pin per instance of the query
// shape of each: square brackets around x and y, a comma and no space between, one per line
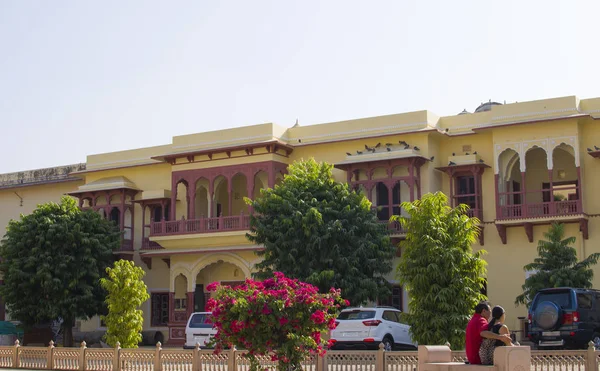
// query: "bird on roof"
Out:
[388,144]
[402,142]
[475,152]
[447,130]
[453,154]
[367,147]
[406,146]
[349,154]
[416,148]
[389,149]
[359,152]
[431,158]
[467,153]
[378,145]
[589,149]
[596,148]
[451,163]
[481,161]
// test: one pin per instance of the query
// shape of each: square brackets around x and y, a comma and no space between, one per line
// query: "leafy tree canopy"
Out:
[126,293]
[556,265]
[316,230]
[442,274]
[52,262]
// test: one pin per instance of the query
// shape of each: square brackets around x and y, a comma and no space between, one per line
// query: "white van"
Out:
[198,330]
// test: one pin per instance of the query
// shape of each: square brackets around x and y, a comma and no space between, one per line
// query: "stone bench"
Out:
[439,358]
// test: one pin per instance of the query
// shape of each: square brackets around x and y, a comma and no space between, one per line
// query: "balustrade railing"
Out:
[159,359]
[201,225]
[540,210]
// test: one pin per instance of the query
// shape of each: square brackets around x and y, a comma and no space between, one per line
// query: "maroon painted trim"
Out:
[272,147]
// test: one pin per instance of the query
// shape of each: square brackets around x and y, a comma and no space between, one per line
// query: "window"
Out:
[356,314]
[584,301]
[394,300]
[160,309]
[465,191]
[388,315]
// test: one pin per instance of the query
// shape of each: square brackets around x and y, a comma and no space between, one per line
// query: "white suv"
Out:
[199,330]
[365,328]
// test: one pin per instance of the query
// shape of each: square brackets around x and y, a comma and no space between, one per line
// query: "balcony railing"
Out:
[126,245]
[393,227]
[202,225]
[150,245]
[540,210]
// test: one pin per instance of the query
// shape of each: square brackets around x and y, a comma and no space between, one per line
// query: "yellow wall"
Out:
[543,123]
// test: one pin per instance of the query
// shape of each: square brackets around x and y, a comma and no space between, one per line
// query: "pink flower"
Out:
[212,287]
[346,302]
[318,317]
[283,321]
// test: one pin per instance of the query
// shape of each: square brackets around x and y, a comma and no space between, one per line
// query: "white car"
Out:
[366,328]
[199,330]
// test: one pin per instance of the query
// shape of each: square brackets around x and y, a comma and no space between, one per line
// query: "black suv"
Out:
[565,317]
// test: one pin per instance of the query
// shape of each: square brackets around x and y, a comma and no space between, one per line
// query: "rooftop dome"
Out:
[464,112]
[487,106]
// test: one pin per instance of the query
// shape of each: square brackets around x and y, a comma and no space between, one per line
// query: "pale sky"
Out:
[82,77]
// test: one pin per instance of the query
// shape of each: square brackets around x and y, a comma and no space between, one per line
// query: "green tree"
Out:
[52,262]
[126,293]
[318,231]
[439,269]
[556,265]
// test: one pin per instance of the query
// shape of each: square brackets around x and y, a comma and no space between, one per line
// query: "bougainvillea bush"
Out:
[279,315]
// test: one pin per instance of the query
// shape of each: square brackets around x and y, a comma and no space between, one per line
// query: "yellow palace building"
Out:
[519,166]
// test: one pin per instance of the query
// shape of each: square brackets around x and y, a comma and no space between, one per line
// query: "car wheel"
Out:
[596,340]
[388,344]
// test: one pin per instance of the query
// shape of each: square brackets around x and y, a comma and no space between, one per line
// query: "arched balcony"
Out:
[212,200]
[387,184]
[538,185]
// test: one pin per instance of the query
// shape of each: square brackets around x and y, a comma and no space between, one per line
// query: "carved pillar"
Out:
[211,191]
[271,175]
[190,304]
[551,186]
[171,307]
[173,199]
[498,206]
[192,203]
[230,195]
[523,198]
[451,179]
[411,172]
[419,182]
[250,190]
[579,192]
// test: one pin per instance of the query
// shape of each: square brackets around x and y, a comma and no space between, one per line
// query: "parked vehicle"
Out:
[199,330]
[565,318]
[366,328]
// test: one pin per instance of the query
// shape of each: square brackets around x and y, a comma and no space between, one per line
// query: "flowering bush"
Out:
[279,315]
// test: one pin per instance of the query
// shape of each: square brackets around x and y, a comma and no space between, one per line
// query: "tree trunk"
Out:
[67,327]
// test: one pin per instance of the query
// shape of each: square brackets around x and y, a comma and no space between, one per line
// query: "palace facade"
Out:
[519,166]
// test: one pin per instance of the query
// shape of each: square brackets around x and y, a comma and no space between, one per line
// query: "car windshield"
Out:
[560,298]
[201,320]
[356,314]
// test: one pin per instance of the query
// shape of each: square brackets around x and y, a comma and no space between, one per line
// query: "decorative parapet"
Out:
[40,176]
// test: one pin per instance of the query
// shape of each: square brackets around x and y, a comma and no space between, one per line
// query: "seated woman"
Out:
[497,326]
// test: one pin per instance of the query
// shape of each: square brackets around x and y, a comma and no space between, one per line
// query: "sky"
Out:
[83,77]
